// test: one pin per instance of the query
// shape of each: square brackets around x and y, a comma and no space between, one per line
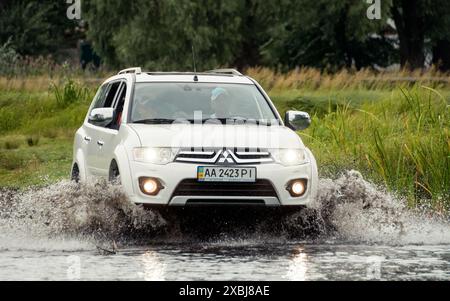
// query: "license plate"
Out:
[226,174]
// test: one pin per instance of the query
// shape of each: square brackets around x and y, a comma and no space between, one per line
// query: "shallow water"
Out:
[356,231]
[235,261]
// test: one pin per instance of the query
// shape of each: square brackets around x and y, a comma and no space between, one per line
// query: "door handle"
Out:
[87,139]
[100,143]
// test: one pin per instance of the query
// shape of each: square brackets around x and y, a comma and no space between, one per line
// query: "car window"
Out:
[111,96]
[119,105]
[186,101]
[99,98]
[119,94]
[106,95]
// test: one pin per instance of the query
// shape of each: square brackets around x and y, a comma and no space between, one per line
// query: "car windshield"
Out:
[156,103]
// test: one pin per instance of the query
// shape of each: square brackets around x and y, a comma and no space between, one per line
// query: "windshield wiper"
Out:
[209,121]
[237,120]
[155,121]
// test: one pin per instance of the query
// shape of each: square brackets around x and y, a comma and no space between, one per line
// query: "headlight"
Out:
[290,157]
[160,156]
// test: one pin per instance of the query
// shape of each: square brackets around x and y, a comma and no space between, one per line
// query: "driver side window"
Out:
[106,96]
[119,106]
[100,97]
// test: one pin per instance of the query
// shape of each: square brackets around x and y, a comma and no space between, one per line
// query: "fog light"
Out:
[150,186]
[297,188]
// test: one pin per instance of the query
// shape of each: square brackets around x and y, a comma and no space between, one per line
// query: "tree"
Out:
[437,24]
[104,19]
[256,18]
[418,21]
[329,35]
[409,20]
[34,27]
[441,54]
[160,34]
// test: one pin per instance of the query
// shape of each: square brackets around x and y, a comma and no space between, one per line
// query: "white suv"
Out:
[182,139]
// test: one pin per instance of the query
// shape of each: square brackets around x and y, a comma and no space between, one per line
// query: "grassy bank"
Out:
[396,132]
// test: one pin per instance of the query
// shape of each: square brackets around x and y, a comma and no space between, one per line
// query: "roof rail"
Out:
[225,71]
[136,70]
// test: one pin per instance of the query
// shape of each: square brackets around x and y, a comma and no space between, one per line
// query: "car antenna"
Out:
[195,66]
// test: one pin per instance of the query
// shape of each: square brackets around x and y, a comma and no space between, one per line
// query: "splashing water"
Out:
[66,211]
[359,211]
[71,216]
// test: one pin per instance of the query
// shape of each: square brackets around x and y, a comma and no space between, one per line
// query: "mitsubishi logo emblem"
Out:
[226,157]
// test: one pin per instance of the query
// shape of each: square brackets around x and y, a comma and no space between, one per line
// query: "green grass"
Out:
[37,130]
[322,102]
[399,137]
[40,165]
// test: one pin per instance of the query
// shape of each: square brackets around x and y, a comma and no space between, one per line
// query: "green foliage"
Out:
[45,114]
[10,143]
[437,14]
[329,35]
[8,58]
[34,27]
[160,34]
[8,119]
[70,93]
[401,141]
[45,163]
[399,138]
[33,140]
[10,160]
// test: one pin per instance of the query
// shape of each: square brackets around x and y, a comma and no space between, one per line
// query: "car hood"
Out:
[181,136]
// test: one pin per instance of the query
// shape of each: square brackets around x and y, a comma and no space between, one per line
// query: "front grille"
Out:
[261,188]
[195,202]
[224,156]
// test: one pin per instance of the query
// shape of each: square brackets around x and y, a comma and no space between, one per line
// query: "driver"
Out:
[220,103]
[143,109]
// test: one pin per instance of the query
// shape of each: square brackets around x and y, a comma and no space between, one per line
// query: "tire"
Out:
[114,174]
[75,175]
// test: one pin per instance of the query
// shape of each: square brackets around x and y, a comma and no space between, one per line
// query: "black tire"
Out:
[75,176]
[114,173]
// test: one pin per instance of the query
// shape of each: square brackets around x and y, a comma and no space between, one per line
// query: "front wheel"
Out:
[75,175]
[114,174]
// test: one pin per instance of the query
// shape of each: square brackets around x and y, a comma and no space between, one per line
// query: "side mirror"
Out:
[101,116]
[297,120]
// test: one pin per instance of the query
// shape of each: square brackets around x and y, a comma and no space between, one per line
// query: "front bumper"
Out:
[173,174]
